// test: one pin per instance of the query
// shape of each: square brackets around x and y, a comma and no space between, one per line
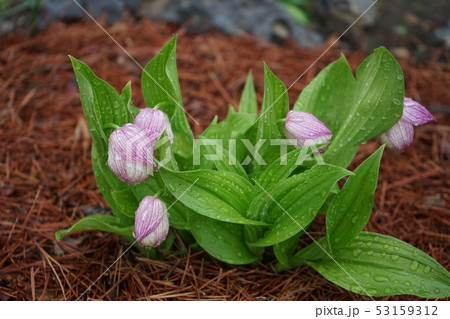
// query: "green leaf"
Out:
[223,162]
[251,234]
[164,154]
[103,106]
[235,124]
[224,241]
[101,103]
[282,168]
[149,187]
[350,210]
[106,223]
[127,99]
[274,107]
[177,214]
[286,249]
[108,183]
[160,84]
[215,194]
[380,265]
[378,103]
[126,202]
[211,130]
[330,95]
[295,202]
[248,99]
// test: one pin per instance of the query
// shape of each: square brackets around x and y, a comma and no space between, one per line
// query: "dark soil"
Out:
[46,180]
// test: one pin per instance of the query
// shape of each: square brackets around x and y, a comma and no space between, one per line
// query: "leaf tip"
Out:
[60,234]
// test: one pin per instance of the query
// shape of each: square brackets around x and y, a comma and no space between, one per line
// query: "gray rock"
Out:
[57,9]
[112,8]
[7,26]
[132,4]
[443,35]
[349,10]
[266,19]
[69,10]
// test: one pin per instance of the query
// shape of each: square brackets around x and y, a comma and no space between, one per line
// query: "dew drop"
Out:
[400,290]
[372,291]
[426,269]
[356,289]
[394,257]
[356,252]
[380,278]
[414,265]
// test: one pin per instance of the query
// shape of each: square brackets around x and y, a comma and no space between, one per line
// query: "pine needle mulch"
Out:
[46,180]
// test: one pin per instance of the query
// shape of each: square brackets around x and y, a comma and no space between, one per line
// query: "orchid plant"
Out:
[257,181]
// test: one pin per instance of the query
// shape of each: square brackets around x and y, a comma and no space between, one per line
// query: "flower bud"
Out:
[151,222]
[155,121]
[306,129]
[130,153]
[401,135]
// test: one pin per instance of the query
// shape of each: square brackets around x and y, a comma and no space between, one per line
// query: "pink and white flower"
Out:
[306,129]
[151,222]
[401,135]
[155,121]
[131,153]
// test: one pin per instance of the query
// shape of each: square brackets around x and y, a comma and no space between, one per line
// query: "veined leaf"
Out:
[160,84]
[224,241]
[226,163]
[106,223]
[295,202]
[149,187]
[378,103]
[330,95]
[248,99]
[286,249]
[126,96]
[126,202]
[350,210]
[177,214]
[164,154]
[102,105]
[108,183]
[274,107]
[215,194]
[282,168]
[379,265]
